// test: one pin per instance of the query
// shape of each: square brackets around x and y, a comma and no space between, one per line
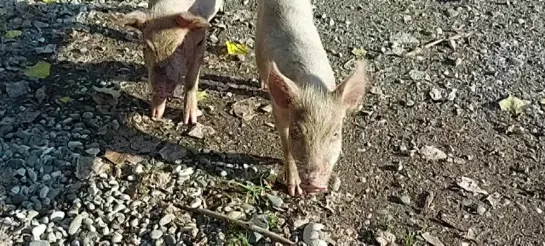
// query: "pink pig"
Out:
[174,39]
[308,107]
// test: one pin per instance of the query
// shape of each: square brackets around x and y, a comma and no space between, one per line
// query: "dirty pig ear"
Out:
[352,89]
[283,90]
[191,21]
[136,19]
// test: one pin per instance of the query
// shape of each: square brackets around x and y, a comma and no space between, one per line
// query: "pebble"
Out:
[156,234]
[138,169]
[196,203]
[481,209]
[75,224]
[405,199]
[39,243]
[44,191]
[275,200]
[57,216]
[166,219]
[38,230]
[117,238]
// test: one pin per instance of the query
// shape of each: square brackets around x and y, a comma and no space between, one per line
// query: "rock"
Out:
[196,203]
[57,216]
[44,191]
[235,215]
[311,234]
[75,224]
[172,152]
[432,153]
[436,94]
[275,200]
[404,38]
[336,184]
[166,219]
[481,209]
[117,238]
[432,239]
[245,109]
[138,169]
[39,243]
[170,240]
[199,131]
[15,189]
[17,89]
[38,230]
[471,186]
[405,199]
[156,234]
[385,238]
[417,75]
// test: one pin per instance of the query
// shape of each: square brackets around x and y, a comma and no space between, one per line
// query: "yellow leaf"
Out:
[201,95]
[48,1]
[513,104]
[40,70]
[65,99]
[359,52]
[13,34]
[236,49]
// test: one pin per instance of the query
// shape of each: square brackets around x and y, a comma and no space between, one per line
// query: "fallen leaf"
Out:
[40,70]
[358,52]
[471,186]
[13,34]
[65,99]
[236,49]
[513,104]
[108,91]
[115,157]
[201,95]
[432,239]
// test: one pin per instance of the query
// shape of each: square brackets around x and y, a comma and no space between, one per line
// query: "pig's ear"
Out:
[283,90]
[136,19]
[352,89]
[191,21]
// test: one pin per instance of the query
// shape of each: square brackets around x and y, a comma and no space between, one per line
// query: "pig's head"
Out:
[171,43]
[316,117]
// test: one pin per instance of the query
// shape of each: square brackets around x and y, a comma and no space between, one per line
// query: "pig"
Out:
[308,107]
[174,40]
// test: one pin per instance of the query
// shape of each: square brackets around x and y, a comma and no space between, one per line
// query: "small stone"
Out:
[156,234]
[15,189]
[57,216]
[117,238]
[336,184]
[436,94]
[166,219]
[21,172]
[75,224]
[432,153]
[481,209]
[38,230]
[196,203]
[134,223]
[223,173]
[39,243]
[138,169]
[199,131]
[235,215]
[170,240]
[44,191]
[405,199]
[32,175]
[275,200]
[17,89]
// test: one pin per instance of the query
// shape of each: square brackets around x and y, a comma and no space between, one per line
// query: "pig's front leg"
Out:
[291,175]
[192,87]
[263,84]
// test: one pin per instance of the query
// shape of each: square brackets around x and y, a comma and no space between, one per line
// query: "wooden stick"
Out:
[247,225]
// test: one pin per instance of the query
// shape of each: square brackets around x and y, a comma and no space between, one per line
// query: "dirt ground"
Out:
[430,157]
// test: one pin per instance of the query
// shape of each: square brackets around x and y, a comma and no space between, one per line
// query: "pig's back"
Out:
[289,37]
[204,8]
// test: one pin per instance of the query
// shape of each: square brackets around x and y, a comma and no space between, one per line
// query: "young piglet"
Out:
[174,39]
[308,107]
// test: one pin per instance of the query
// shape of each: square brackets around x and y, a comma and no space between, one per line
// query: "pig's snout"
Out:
[158,105]
[314,182]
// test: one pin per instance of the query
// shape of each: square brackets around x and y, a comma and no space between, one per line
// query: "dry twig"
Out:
[246,225]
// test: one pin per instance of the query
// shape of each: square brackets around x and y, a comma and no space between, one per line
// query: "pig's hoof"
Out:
[295,190]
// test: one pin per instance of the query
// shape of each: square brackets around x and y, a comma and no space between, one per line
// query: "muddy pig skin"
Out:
[174,39]
[308,107]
